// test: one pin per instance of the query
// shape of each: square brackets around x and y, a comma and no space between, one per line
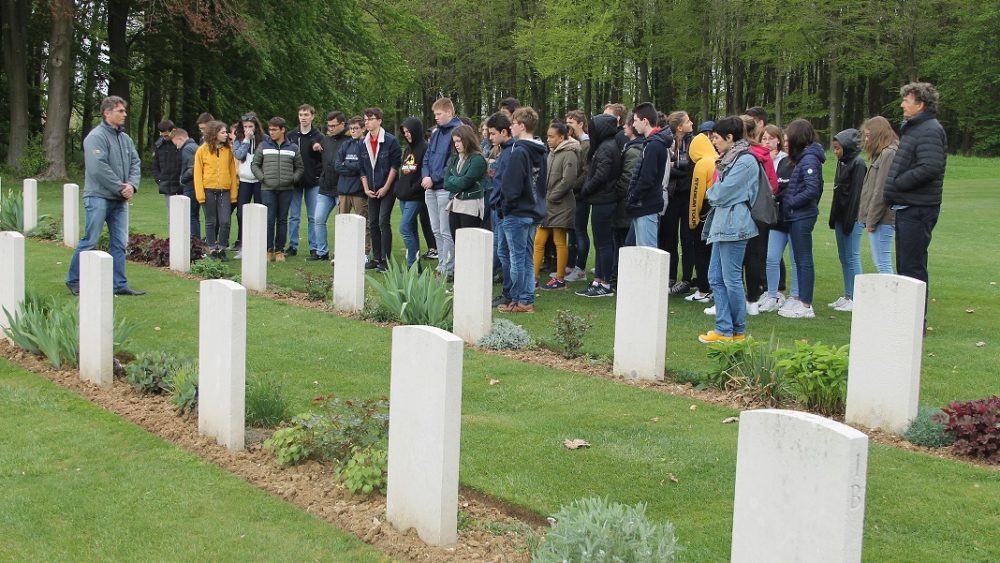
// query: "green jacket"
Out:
[468,182]
[277,167]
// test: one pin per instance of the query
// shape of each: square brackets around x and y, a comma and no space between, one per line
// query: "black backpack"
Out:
[764,208]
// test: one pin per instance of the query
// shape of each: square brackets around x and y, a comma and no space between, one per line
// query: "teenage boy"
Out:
[203,120]
[186,149]
[508,106]
[498,128]
[522,208]
[434,169]
[644,202]
[309,143]
[348,165]
[166,163]
[278,165]
[326,200]
[380,163]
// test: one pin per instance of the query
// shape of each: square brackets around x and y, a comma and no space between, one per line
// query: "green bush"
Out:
[505,335]
[376,312]
[319,287]
[152,372]
[569,329]
[11,212]
[927,429]
[330,433]
[211,269]
[414,297]
[48,228]
[266,403]
[748,369]
[45,328]
[816,375]
[595,530]
[33,161]
[291,445]
[183,389]
[366,471]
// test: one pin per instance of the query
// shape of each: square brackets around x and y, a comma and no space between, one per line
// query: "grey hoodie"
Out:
[111,160]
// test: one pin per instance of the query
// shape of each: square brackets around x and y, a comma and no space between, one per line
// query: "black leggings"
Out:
[458,221]
[380,225]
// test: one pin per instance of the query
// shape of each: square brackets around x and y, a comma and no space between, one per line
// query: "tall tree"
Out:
[15,16]
[60,86]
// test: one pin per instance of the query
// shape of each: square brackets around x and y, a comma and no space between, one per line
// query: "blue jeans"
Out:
[195,213]
[501,258]
[519,243]
[115,214]
[776,241]
[802,245]
[296,213]
[277,203]
[249,191]
[849,250]
[725,276]
[647,230]
[324,206]
[410,211]
[881,243]
[582,217]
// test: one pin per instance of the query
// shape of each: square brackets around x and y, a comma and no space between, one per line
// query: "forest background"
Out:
[832,62]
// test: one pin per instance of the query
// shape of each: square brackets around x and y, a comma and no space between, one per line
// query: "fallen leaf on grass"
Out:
[980,344]
[931,354]
[731,420]
[576,444]
[930,329]
[694,407]
[655,419]
[494,381]
[970,310]
[156,328]
[670,477]
[993,283]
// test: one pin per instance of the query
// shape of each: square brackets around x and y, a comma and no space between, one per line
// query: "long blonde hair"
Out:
[880,135]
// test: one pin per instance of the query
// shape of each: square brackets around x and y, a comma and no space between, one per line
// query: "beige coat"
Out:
[564,168]
[873,210]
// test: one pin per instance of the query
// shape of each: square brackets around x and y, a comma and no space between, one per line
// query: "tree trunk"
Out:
[90,73]
[118,49]
[14,56]
[60,89]
[836,100]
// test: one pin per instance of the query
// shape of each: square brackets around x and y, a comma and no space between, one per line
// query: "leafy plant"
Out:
[927,429]
[816,375]
[748,369]
[266,403]
[375,311]
[366,471]
[152,372]
[330,433]
[318,286]
[11,212]
[595,530]
[147,248]
[33,161]
[291,445]
[569,330]
[47,228]
[211,269]
[975,425]
[415,297]
[45,328]
[505,335]
[183,389]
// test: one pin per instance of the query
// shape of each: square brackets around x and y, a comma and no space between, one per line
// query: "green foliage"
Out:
[266,402]
[366,471]
[505,335]
[569,329]
[183,389]
[290,445]
[816,375]
[152,371]
[318,286]
[595,530]
[414,297]
[11,211]
[211,269]
[33,161]
[748,369]
[927,429]
[45,328]
[330,433]
[975,425]
[48,228]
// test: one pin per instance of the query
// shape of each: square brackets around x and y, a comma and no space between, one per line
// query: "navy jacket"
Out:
[348,166]
[800,199]
[496,170]
[328,177]
[916,176]
[167,166]
[439,150]
[522,187]
[376,166]
[645,189]
[188,149]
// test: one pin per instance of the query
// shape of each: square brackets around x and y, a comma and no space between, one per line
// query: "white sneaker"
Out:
[839,302]
[797,311]
[710,310]
[576,275]
[768,304]
[847,306]
[781,299]
[789,304]
[699,297]
[753,309]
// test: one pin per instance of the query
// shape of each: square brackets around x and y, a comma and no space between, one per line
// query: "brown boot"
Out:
[279,256]
[270,257]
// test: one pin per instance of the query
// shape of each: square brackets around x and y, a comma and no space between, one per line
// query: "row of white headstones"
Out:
[800,478]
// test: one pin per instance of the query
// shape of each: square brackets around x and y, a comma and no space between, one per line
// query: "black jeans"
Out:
[674,229]
[218,210]
[458,221]
[603,221]
[913,237]
[579,257]
[702,256]
[380,225]
[248,191]
[755,263]
[425,226]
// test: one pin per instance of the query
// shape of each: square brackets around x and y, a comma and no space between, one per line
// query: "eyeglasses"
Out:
[371,118]
[247,117]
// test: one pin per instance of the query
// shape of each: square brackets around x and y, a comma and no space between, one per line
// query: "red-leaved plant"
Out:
[975,426]
[156,251]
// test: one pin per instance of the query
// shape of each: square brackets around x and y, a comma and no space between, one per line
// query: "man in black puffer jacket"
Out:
[914,185]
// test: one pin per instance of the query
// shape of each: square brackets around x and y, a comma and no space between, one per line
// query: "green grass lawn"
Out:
[80,484]
[919,508]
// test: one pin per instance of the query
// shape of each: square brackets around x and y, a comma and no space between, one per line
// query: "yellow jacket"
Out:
[703,155]
[215,172]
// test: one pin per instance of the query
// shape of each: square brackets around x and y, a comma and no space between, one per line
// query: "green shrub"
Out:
[595,530]
[33,161]
[152,372]
[291,445]
[375,311]
[45,328]
[414,297]
[975,425]
[748,369]
[48,228]
[12,212]
[211,269]
[366,471]
[330,433]
[569,329]
[927,429]
[816,375]
[183,389]
[505,335]
[266,403]
[319,287]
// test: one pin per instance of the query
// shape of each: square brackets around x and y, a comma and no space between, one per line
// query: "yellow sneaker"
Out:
[712,336]
[738,337]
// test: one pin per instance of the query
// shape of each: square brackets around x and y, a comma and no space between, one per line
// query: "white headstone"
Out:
[349,267]
[30,204]
[641,312]
[97,318]
[425,399]
[473,313]
[800,489]
[71,215]
[180,233]
[883,376]
[254,247]
[222,342]
[11,275]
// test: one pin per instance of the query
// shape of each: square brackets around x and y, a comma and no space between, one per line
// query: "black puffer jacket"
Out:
[329,176]
[847,182]
[917,173]
[167,167]
[605,161]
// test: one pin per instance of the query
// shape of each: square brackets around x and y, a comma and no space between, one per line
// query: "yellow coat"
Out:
[215,172]
[703,154]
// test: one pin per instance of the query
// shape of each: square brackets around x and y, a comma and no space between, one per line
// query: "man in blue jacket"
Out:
[644,202]
[110,181]
[381,157]
[434,168]
[348,166]
[498,127]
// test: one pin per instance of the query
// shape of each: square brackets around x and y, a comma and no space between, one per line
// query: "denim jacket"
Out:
[730,199]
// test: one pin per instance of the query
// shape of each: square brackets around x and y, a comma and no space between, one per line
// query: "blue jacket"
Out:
[800,199]
[731,197]
[522,189]
[348,166]
[495,170]
[375,167]
[111,160]
[188,151]
[439,149]
[645,189]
